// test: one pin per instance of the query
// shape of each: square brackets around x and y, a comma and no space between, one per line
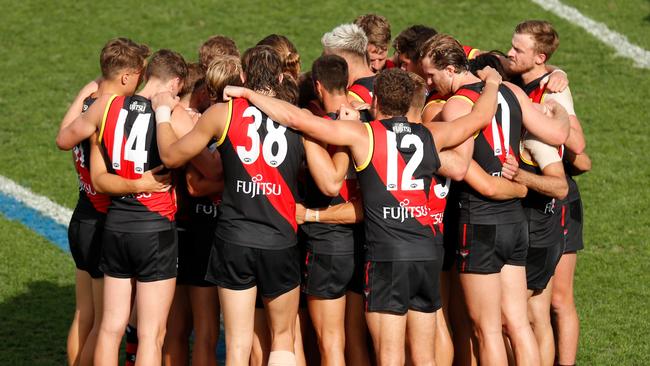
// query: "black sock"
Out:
[131,345]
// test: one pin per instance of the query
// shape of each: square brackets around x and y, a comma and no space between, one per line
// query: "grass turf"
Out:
[50,49]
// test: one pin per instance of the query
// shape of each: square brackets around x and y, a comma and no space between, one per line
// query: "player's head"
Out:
[377,29]
[419,93]
[123,60]
[393,92]
[223,70]
[408,45]
[195,78]
[287,51]
[443,58]
[533,44]
[168,68]
[495,59]
[329,74]
[216,46]
[288,90]
[262,69]
[348,41]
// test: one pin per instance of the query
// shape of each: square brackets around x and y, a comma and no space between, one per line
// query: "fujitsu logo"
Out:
[404,211]
[401,128]
[257,187]
[207,210]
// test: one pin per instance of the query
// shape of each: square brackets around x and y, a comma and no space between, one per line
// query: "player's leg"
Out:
[302,326]
[98,300]
[328,317]
[565,316]
[261,337]
[539,306]
[464,339]
[238,308]
[153,303]
[444,348]
[117,307]
[388,336]
[82,322]
[356,331]
[421,331]
[205,312]
[179,327]
[514,305]
[281,313]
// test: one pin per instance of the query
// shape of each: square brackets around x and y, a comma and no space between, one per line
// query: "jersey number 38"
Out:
[274,146]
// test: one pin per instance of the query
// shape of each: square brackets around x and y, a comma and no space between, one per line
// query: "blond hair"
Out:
[347,38]
[223,70]
[546,38]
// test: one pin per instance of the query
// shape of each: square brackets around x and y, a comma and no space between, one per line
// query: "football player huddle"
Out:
[416,209]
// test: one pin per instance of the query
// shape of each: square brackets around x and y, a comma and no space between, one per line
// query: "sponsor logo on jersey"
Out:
[550,207]
[208,210]
[86,187]
[404,211]
[136,106]
[257,187]
[401,128]
[78,153]
[437,217]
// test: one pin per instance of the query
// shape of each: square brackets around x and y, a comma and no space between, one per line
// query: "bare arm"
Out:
[496,188]
[432,111]
[199,186]
[83,126]
[576,140]
[328,171]
[344,213]
[113,184]
[551,130]
[455,162]
[76,107]
[580,163]
[552,183]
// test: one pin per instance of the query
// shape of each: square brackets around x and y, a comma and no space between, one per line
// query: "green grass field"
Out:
[50,49]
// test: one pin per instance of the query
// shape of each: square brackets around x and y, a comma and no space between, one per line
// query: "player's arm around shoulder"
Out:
[496,188]
[576,141]
[84,125]
[327,170]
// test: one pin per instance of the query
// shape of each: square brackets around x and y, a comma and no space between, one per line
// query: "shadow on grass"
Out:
[34,325]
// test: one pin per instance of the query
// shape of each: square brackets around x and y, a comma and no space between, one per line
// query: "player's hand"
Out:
[164,99]
[90,88]
[510,168]
[520,190]
[348,114]
[151,181]
[230,92]
[489,75]
[301,211]
[194,114]
[556,110]
[556,82]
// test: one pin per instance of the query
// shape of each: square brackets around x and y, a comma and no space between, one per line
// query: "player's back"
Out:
[128,138]
[261,162]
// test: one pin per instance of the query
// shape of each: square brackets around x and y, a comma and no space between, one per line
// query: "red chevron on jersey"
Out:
[406,198]
[81,163]
[438,200]
[470,52]
[265,180]
[362,89]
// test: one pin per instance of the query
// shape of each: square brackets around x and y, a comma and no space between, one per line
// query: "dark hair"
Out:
[262,67]
[445,51]
[377,29]
[492,59]
[122,53]
[165,65]
[332,72]
[409,42]
[288,90]
[195,78]
[394,91]
[287,52]
[306,92]
[216,46]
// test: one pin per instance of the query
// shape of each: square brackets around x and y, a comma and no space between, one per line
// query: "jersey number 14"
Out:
[134,148]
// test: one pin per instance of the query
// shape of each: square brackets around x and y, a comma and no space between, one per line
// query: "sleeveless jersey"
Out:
[91,205]
[261,162]
[331,239]
[395,185]
[362,89]
[491,145]
[439,191]
[128,138]
[470,52]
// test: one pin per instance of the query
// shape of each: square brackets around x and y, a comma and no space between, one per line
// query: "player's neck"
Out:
[111,87]
[332,102]
[357,71]
[463,79]
[536,72]
[414,115]
[151,88]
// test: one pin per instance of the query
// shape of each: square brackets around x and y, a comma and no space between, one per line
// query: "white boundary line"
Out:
[617,41]
[39,203]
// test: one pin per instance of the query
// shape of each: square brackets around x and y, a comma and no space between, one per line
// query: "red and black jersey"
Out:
[128,139]
[471,52]
[491,146]
[331,239]
[438,202]
[362,89]
[389,64]
[395,184]
[91,204]
[261,162]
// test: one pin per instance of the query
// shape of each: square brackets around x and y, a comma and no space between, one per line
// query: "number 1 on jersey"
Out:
[134,148]
[392,155]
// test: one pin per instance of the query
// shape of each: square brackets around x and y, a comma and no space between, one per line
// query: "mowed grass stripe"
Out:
[53,48]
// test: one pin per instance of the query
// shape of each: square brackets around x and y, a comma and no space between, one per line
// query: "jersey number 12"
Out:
[408,183]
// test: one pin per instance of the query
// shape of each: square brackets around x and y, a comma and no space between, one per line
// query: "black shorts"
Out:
[540,265]
[330,276]
[572,222]
[147,257]
[194,245]
[237,267]
[400,286]
[450,247]
[85,238]
[487,248]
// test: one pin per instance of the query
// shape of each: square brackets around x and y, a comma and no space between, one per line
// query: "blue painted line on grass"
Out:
[46,227]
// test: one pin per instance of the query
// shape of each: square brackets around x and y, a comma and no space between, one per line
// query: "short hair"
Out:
[332,72]
[445,51]
[224,70]
[492,59]
[216,46]
[411,39]
[165,65]
[262,67]
[306,93]
[419,92]
[195,78]
[394,92]
[122,53]
[347,38]
[546,38]
[287,52]
[288,90]
[377,29]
